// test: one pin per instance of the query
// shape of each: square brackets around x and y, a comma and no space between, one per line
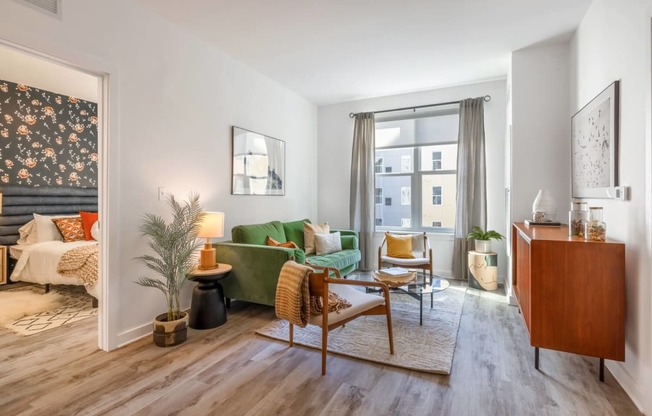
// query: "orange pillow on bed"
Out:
[88,219]
[71,229]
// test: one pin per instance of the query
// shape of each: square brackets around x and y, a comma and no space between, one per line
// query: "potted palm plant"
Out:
[174,245]
[483,238]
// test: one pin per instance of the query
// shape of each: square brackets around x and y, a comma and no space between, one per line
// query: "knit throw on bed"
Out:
[293,294]
[82,263]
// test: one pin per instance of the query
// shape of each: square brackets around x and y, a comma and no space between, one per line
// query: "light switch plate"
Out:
[162,193]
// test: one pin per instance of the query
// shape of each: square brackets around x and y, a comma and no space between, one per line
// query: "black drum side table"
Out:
[207,309]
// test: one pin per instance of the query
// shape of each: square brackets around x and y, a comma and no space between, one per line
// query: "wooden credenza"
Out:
[571,292]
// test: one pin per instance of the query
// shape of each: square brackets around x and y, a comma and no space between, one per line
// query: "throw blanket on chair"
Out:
[293,294]
[81,263]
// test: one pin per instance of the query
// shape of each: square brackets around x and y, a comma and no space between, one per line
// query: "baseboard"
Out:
[627,383]
[134,334]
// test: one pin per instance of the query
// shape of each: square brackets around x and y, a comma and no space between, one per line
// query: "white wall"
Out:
[540,128]
[21,68]
[613,43]
[173,101]
[335,132]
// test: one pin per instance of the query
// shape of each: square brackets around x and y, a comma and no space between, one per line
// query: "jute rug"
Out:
[428,347]
[63,305]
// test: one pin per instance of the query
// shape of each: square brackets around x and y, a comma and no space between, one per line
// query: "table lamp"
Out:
[212,225]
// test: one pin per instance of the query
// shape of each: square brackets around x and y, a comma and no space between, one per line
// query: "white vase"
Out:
[483,246]
[544,208]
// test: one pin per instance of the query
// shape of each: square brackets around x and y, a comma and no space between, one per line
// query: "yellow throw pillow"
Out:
[309,231]
[399,246]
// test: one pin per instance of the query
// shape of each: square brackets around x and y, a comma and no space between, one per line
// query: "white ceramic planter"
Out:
[483,246]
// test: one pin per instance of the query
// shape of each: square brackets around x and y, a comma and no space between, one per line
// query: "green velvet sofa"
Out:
[256,266]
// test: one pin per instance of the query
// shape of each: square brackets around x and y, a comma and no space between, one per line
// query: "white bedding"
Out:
[38,262]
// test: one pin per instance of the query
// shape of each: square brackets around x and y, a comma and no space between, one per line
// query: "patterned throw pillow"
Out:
[71,228]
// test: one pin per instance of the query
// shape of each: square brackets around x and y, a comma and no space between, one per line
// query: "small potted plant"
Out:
[483,238]
[174,245]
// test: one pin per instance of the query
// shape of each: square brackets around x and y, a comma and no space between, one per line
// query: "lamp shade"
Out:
[212,225]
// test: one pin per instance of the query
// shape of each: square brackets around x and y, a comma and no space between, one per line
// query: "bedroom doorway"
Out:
[49,88]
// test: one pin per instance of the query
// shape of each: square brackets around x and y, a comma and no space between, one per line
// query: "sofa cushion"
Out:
[294,231]
[339,260]
[257,233]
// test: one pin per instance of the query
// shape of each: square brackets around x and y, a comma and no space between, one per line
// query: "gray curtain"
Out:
[361,213]
[471,207]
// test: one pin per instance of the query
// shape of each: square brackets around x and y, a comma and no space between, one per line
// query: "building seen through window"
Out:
[416,165]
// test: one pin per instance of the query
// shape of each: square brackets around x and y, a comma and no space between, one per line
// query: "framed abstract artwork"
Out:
[594,146]
[258,164]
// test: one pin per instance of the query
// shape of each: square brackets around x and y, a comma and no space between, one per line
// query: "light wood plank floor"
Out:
[232,371]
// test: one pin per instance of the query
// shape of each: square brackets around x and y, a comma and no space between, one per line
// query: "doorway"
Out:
[28,67]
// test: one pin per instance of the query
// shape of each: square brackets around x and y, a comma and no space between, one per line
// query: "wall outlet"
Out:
[162,193]
[621,192]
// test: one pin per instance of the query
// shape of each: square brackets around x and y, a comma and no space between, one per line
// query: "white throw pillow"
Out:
[46,230]
[309,231]
[95,231]
[328,243]
[28,233]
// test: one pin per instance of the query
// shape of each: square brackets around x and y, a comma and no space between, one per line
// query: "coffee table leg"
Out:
[421,310]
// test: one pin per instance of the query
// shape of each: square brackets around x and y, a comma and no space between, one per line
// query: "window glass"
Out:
[416,172]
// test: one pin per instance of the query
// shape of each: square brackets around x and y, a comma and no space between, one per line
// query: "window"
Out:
[436,195]
[419,157]
[379,165]
[379,195]
[436,160]
[379,222]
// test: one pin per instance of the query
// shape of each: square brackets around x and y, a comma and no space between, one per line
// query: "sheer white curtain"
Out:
[471,207]
[361,213]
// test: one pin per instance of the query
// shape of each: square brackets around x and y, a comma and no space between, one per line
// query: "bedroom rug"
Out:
[65,305]
[428,348]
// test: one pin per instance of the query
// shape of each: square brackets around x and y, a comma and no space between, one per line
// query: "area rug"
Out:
[68,304]
[428,347]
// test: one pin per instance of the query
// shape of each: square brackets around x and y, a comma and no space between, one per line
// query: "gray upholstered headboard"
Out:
[20,202]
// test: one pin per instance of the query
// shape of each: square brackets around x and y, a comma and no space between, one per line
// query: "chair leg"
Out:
[291,335]
[324,348]
[389,330]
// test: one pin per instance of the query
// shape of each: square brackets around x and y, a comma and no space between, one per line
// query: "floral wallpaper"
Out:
[46,139]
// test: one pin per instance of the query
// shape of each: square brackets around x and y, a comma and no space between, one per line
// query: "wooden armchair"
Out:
[361,304]
[420,249]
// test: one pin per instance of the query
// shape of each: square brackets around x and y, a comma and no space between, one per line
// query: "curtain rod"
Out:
[487,98]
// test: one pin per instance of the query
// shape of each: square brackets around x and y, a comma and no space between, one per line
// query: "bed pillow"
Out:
[88,219]
[45,228]
[309,231]
[328,243]
[71,228]
[28,233]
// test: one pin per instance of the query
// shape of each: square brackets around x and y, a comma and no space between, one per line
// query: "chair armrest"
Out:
[349,242]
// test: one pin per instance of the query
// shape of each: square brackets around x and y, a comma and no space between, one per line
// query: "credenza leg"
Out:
[536,358]
[602,370]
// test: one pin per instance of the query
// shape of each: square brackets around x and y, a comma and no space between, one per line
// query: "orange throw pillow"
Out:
[70,228]
[399,246]
[88,219]
[271,242]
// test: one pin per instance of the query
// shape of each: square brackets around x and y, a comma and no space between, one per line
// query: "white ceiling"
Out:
[339,50]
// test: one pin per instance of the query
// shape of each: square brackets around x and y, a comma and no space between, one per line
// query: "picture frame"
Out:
[258,164]
[594,146]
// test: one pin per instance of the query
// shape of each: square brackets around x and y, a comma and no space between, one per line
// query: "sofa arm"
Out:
[255,270]
[349,239]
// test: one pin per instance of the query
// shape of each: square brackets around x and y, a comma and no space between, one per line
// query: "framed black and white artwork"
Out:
[594,146]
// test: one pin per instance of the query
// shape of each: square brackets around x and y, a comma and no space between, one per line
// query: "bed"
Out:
[33,240]
[38,263]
